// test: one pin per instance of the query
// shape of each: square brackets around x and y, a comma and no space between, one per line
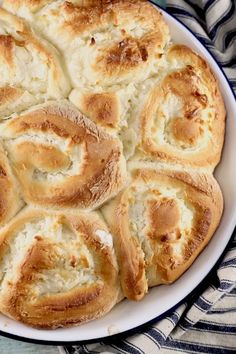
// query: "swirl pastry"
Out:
[100,44]
[184,117]
[30,67]
[161,222]
[57,269]
[62,159]
[10,200]
[104,51]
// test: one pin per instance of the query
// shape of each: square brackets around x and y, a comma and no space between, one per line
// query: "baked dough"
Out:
[100,44]
[57,269]
[30,67]
[62,159]
[161,222]
[106,54]
[184,117]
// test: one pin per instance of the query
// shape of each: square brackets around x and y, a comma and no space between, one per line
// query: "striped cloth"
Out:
[207,323]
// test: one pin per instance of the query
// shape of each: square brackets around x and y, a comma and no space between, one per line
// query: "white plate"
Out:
[128,315]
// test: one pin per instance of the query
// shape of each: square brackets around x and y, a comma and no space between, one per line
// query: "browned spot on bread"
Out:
[84,261]
[164,216]
[184,84]
[102,108]
[6,48]
[45,158]
[185,130]
[92,42]
[8,94]
[73,261]
[2,172]
[128,53]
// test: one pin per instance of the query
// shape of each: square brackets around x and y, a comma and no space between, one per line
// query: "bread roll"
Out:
[100,44]
[161,222]
[30,69]
[57,269]
[61,159]
[104,50]
[10,199]
[184,117]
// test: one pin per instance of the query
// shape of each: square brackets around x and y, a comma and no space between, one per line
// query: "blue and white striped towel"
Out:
[207,323]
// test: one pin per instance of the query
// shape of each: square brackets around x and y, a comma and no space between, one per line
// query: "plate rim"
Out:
[107,339]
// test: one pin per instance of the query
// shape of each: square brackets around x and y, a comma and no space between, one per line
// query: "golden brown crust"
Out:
[102,108]
[85,172]
[184,118]
[10,201]
[20,295]
[161,222]
[8,94]
[129,253]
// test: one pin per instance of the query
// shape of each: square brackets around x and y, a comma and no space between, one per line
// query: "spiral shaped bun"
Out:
[103,49]
[30,70]
[10,200]
[100,44]
[161,222]
[183,119]
[62,159]
[57,269]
